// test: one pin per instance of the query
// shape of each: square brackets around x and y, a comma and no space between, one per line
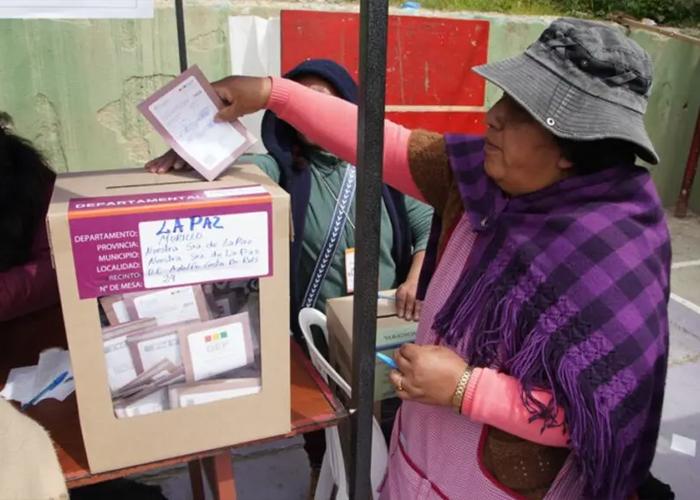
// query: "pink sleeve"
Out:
[494,399]
[31,287]
[331,123]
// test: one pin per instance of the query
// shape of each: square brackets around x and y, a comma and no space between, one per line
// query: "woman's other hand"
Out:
[427,374]
[166,162]
[242,95]
[407,306]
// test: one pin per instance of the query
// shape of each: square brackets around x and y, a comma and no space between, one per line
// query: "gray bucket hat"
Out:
[582,80]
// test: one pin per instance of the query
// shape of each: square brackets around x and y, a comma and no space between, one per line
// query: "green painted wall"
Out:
[673,108]
[72,86]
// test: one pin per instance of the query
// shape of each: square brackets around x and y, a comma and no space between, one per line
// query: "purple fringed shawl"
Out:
[567,290]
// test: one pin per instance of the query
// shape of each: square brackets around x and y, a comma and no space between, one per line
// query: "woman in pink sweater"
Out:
[539,366]
[27,278]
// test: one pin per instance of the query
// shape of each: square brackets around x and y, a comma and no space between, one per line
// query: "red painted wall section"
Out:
[429,63]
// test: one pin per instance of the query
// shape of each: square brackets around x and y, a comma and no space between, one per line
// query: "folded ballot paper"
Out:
[26,383]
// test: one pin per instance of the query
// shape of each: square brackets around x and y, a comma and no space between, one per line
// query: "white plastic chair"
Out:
[333,466]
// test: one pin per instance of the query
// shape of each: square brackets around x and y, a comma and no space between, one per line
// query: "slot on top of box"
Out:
[174,183]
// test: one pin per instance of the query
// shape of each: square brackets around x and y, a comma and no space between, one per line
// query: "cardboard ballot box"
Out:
[392,332]
[175,296]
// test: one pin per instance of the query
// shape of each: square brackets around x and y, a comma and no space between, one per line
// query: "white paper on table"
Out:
[26,382]
[61,392]
[19,385]
[52,363]
[255,51]
[76,9]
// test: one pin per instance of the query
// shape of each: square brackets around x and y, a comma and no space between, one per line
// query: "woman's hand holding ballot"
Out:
[427,374]
[242,95]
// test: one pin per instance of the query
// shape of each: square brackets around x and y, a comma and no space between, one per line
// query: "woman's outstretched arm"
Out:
[415,162]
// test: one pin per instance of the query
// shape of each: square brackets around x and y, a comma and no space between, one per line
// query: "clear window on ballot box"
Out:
[183,346]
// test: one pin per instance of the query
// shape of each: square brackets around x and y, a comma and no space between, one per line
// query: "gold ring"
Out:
[399,386]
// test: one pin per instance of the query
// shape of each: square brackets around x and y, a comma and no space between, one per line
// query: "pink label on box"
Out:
[139,242]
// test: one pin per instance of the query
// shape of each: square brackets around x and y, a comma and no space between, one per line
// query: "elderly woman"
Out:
[541,357]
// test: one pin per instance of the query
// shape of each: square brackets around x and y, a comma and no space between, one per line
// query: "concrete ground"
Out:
[279,471]
[676,460]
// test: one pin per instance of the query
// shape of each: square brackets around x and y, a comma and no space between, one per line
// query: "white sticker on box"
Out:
[201,249]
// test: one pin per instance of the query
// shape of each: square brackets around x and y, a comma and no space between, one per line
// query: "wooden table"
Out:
[21,341]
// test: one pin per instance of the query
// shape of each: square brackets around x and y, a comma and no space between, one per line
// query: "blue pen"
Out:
[387,360]
[57,381]
[386,297]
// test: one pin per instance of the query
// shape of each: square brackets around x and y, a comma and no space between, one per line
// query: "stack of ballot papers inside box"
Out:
[181,346]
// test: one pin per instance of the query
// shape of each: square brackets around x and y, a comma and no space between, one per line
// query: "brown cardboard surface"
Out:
[176,432]
[339,323]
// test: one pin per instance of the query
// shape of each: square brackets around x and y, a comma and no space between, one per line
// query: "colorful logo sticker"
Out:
[215,337]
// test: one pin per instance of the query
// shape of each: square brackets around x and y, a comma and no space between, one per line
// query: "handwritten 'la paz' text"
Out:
[189,224]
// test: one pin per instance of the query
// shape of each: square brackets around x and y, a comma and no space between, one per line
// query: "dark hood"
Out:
[278,136]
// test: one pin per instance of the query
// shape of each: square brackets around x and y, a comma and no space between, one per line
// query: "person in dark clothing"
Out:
[27,279]
[118,489]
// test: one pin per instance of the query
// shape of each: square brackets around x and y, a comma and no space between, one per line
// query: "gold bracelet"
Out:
[458,397]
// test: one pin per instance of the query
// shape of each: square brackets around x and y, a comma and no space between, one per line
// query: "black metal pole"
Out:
[374,16]
[181,39]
